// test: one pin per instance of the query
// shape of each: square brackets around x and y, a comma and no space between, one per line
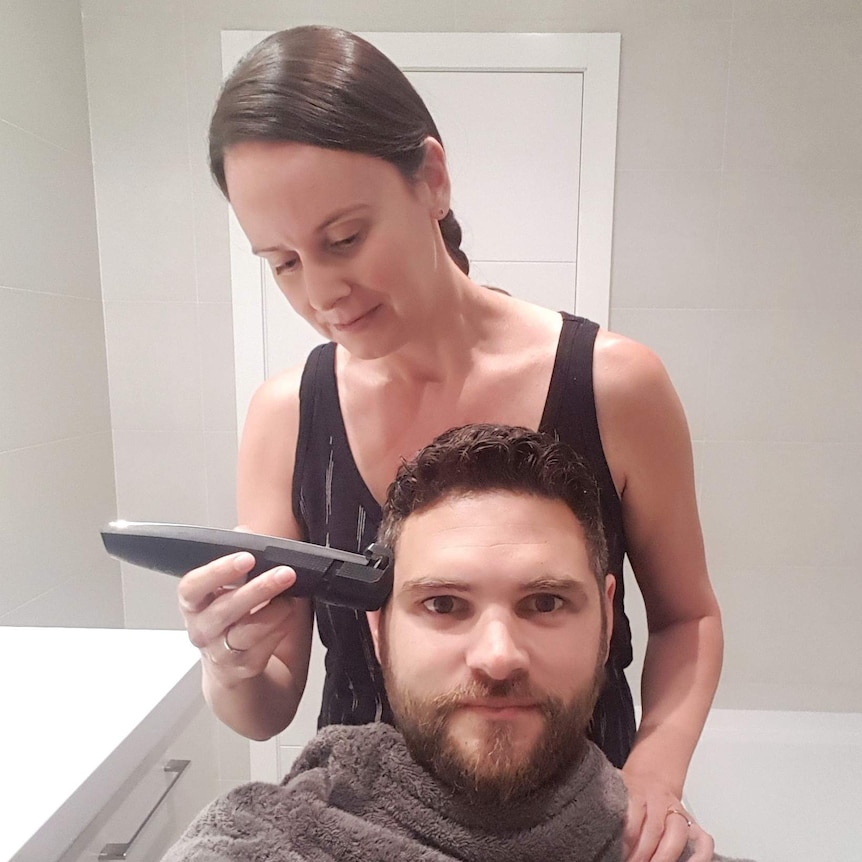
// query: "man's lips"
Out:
[499,706]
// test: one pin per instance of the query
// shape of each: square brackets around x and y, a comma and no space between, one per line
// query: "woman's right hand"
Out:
[236,625]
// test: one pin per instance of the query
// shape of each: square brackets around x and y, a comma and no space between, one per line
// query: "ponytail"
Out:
[451,231]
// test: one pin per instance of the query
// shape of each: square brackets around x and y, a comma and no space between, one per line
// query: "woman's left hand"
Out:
[657,826]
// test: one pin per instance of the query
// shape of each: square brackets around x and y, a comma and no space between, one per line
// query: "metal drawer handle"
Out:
[120,851]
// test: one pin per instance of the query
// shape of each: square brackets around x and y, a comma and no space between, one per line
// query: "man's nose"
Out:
[496,650]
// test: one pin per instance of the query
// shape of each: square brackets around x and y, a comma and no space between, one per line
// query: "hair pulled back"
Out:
[327,88]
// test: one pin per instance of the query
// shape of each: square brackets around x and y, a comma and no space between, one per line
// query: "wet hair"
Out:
[327,88]
[484,457]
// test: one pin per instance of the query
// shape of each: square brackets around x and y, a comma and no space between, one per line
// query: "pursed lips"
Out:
[346,324]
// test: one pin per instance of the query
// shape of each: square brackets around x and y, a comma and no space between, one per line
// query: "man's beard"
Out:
[497,770]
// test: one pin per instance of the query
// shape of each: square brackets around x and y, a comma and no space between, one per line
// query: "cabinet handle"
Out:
[120,851]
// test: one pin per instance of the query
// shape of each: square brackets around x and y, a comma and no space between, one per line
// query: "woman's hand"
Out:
[236,628]
[657,825]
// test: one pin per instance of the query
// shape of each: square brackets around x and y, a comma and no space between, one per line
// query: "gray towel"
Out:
[356,795]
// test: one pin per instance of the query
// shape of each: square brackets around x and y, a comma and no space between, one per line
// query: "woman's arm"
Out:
[648,448]
[256,686]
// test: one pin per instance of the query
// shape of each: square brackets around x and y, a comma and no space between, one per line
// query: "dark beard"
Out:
[497,774]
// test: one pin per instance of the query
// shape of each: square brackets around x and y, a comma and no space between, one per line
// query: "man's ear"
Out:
[374,625]
[608,599]
[433,174]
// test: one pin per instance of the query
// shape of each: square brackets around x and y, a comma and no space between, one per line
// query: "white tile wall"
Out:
[649,207]
[56,465]
[791,97]
[154,352]
[764,642]
[785,375]
[161,476]
[782,504]
[790,238]
[42,65]
[54,339]
[55,497]
[47,213]
[218,402]
[673,86]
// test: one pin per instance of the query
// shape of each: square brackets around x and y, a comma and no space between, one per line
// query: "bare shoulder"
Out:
[626,372]
[641,419]
[267,454]
[277,397]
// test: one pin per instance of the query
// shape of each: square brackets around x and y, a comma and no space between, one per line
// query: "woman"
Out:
[337,175]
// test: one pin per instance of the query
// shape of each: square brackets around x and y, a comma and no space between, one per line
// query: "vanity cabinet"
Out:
[97,716]
[154,805]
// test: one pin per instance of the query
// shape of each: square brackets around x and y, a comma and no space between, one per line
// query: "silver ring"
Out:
[227,645]
[681,814]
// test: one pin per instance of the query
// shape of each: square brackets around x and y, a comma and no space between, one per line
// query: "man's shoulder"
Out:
[345,747]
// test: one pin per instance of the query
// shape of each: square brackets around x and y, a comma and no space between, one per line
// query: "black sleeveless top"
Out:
[334,507]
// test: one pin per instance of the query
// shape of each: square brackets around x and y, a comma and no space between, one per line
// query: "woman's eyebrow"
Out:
[340,213]
[334,217]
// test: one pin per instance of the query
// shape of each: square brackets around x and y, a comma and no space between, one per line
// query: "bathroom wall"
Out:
[737,256]
[56,462]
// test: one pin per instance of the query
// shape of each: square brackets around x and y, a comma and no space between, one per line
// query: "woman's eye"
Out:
[346,242]
[441,604]
[285,266]
[545,603]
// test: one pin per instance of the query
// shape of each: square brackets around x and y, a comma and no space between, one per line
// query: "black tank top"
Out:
[334,507]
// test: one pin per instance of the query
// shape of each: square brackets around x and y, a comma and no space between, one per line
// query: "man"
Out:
[492,644]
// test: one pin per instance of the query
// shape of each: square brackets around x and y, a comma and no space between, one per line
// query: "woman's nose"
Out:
[324,287]
[496,650]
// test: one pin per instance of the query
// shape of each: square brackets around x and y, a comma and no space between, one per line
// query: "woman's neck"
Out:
[466,321]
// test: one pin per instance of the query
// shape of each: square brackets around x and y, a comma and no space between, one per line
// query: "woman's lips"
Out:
[356,323]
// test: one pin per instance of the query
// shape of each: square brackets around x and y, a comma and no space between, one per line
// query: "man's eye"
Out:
[441,604]
[545,603]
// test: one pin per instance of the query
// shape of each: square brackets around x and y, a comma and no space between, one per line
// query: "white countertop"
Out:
[80,709]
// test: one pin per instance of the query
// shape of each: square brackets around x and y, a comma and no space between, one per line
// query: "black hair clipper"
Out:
[355,581]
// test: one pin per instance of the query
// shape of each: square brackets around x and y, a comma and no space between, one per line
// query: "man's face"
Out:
[493,643]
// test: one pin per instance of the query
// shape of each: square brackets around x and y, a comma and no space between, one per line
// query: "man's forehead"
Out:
[475,513]
[513,531]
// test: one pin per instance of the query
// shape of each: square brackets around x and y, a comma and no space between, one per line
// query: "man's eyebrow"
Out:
[333,217]
[444,585]
[552,584]
[448,585]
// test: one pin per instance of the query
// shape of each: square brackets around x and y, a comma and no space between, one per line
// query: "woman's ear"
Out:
[433,175]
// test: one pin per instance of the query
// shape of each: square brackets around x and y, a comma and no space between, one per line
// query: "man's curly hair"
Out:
[485,457]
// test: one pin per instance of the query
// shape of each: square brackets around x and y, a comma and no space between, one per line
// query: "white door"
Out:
[529,126]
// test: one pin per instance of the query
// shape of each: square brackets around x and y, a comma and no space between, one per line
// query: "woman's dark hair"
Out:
[327,88]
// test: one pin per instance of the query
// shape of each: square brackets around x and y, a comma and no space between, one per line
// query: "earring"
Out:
[441,214]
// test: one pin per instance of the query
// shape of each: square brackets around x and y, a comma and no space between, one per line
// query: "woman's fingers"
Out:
[209,614]
[702,844]
[245,647]
[198,588]
[673,836]
[658,827]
